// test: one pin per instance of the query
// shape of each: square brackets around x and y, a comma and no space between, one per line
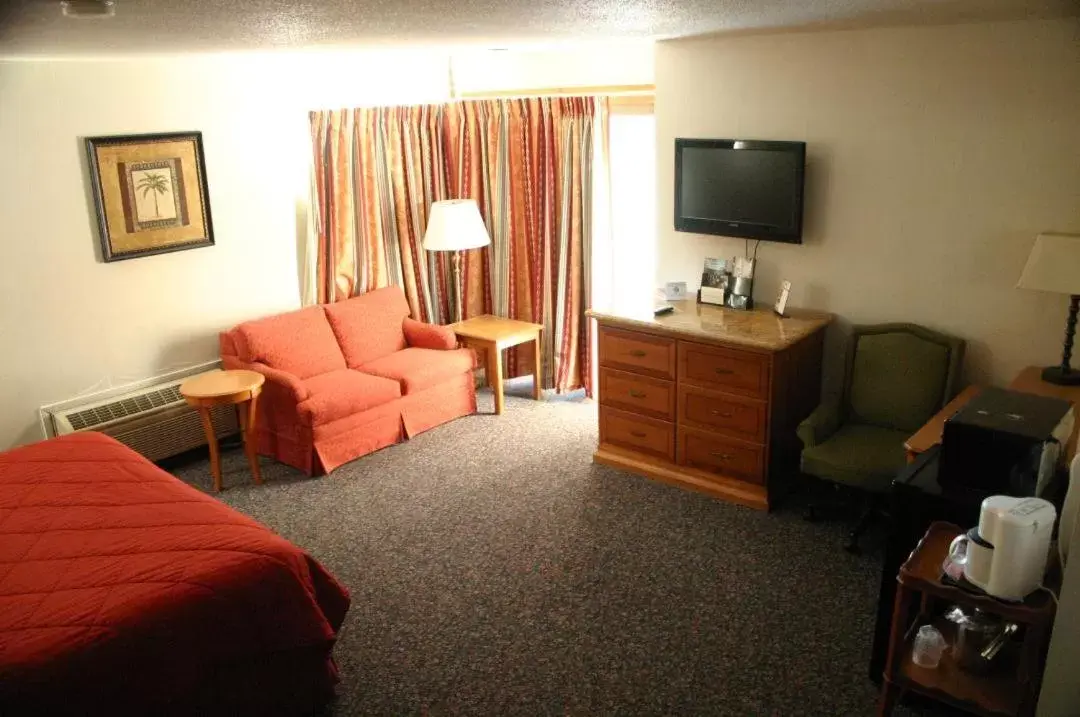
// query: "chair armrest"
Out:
[428,336]
[819,425]
[286,382]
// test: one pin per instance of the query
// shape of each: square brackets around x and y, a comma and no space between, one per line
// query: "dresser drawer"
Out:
[640,394]
[640,353]
[716,454]
[731,370]
[743,418]
[637,433]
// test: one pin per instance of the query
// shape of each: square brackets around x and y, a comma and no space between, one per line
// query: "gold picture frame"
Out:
[151,194]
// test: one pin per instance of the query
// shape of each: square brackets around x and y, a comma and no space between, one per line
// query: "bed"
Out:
[125,591]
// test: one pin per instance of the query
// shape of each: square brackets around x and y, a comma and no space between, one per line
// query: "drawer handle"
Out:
[637,394]
[722,414]
[637,434]
[638,353]
[722,456]
[724,371]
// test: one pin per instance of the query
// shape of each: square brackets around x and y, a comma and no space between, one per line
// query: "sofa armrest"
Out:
[286,381]
[428,336]
[227,345]
[819,425]
[279,382]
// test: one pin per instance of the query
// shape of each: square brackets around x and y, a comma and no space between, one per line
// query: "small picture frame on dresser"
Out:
[675,291]
[715,281]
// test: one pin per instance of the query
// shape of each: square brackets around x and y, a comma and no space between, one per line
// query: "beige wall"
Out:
[935,155]
[69,322]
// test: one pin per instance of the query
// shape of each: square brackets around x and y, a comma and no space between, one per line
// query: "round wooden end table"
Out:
[227,388]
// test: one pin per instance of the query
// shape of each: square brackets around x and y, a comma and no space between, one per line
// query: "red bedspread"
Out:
[123,590]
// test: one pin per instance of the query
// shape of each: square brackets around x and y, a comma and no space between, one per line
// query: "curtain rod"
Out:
[618,90]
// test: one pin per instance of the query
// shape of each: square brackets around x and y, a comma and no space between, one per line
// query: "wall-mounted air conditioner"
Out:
[154,419]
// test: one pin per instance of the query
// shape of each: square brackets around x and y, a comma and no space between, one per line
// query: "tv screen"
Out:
[740,188]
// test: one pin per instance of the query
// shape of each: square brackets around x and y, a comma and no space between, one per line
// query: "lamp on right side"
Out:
[1054,265]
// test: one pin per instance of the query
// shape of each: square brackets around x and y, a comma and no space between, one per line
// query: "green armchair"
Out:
[897,376]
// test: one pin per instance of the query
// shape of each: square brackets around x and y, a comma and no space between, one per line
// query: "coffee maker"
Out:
[1005,556]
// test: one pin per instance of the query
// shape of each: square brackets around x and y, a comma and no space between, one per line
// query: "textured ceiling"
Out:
[37,27]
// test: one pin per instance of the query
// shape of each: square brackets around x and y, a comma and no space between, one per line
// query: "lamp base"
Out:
[1056,375]
[1064,375]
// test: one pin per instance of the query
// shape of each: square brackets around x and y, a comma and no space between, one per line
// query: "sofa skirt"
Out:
[350,438]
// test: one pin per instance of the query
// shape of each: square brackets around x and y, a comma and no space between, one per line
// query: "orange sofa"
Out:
[346,379]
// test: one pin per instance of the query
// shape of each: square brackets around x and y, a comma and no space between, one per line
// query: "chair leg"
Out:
[820,508]
[865,520]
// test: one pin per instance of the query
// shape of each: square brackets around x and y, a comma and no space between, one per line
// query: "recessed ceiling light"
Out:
[88,8]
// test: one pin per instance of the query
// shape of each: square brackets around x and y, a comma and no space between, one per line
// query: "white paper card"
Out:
[782,298]
[710,295]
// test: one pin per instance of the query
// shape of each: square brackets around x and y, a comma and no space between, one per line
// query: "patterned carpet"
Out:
[495,569]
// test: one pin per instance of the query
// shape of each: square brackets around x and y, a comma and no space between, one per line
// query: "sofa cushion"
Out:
[299,342]
[342,393]
[418,369]
[368,326]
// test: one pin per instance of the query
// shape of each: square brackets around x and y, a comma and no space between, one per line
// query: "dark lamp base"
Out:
[1055,375]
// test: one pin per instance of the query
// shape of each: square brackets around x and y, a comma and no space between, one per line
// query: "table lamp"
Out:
[1054,265]
[455,225]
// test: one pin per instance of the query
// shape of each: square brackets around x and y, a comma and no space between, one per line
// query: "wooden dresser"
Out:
[707,397]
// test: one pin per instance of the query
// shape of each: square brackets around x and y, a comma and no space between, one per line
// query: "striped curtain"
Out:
[529,165]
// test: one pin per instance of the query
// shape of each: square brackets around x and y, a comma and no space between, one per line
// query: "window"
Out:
[624,249]
[624,270]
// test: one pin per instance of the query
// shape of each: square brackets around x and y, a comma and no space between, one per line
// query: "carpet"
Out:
[494,569]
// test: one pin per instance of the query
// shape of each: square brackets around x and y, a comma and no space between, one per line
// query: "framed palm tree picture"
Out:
[150,192]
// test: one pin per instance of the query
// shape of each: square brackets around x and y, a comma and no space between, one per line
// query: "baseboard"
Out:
[730,490]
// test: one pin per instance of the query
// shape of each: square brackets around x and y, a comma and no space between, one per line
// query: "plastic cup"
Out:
[929,646]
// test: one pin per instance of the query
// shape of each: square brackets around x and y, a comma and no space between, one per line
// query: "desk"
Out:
[930,434]
[1027,381]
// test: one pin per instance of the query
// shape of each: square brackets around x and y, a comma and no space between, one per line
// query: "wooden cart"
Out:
[1007,692]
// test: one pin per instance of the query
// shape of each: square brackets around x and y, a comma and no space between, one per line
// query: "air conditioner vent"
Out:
[124,407]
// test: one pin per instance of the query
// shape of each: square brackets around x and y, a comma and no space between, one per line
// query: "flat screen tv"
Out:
[740,188]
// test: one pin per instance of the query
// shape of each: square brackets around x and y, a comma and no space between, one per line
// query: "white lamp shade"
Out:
[455,224]
[1053,265]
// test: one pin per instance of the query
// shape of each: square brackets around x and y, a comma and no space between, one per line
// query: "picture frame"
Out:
[150,193]
[675,291]
[715,282]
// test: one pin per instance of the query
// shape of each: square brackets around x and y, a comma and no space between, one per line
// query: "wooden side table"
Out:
[227,388]
[492,334]
[1006,693]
